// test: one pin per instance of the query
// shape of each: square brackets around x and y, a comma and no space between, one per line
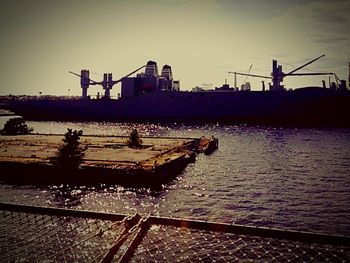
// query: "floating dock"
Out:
[108,160]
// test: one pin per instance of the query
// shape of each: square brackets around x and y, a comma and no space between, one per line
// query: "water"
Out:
[285,178]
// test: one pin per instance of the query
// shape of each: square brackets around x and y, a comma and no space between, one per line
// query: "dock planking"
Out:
[26,159]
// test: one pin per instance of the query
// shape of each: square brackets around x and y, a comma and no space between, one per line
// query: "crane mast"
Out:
[107,82]
[278,75]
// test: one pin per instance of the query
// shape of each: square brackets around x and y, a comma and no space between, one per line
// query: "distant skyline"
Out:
[201,40]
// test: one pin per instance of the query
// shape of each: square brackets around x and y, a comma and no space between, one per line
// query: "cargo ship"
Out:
[153,97]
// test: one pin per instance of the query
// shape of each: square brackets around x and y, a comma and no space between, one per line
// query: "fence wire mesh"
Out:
[171,244]
[36,238]
[56,236]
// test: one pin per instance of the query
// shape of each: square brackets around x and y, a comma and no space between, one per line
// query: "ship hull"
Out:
[305,107]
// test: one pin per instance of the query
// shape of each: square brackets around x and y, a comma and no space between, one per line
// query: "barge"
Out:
[25,159]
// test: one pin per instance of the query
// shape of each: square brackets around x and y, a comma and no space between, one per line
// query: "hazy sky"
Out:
[202,40]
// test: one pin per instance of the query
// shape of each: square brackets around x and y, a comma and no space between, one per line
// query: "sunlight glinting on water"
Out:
[286,178]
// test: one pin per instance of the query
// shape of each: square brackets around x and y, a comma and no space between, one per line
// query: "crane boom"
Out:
[76,74]
[311,74]
[113,82]
[308,63]
[248,72]
[129,74]
[251,75]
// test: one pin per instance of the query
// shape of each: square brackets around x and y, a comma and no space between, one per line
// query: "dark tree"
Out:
[70,155]
[16,126]
[134,140]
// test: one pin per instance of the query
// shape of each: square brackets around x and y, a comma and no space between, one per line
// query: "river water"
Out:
[287,178]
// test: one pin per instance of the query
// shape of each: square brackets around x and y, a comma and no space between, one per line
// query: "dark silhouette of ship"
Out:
[150,97]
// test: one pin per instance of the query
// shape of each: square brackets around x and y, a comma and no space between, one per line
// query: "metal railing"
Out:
[41,234]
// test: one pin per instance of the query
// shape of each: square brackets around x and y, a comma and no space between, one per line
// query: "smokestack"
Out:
[349,75]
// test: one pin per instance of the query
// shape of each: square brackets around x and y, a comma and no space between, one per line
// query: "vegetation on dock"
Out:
[16,126]
[91,160]
[134,140]
[70,154]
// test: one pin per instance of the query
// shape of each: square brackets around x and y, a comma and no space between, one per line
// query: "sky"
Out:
[201,40]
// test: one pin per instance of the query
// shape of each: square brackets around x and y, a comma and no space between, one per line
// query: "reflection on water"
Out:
[286,178]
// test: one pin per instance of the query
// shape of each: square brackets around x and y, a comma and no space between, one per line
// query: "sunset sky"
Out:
[202,40]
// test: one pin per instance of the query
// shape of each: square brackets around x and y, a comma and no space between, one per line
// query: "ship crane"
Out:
[278,75]
[250,75]
[245,74]
[246,77]
[85,81]
[107,83]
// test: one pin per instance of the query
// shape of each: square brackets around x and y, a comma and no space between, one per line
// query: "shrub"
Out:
[16,126]
[70,155]
[134,140]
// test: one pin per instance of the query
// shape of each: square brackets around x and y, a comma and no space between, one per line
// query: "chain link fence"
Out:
[169,244]
[37,234]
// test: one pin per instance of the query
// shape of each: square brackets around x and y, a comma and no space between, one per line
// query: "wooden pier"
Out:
[108,160]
